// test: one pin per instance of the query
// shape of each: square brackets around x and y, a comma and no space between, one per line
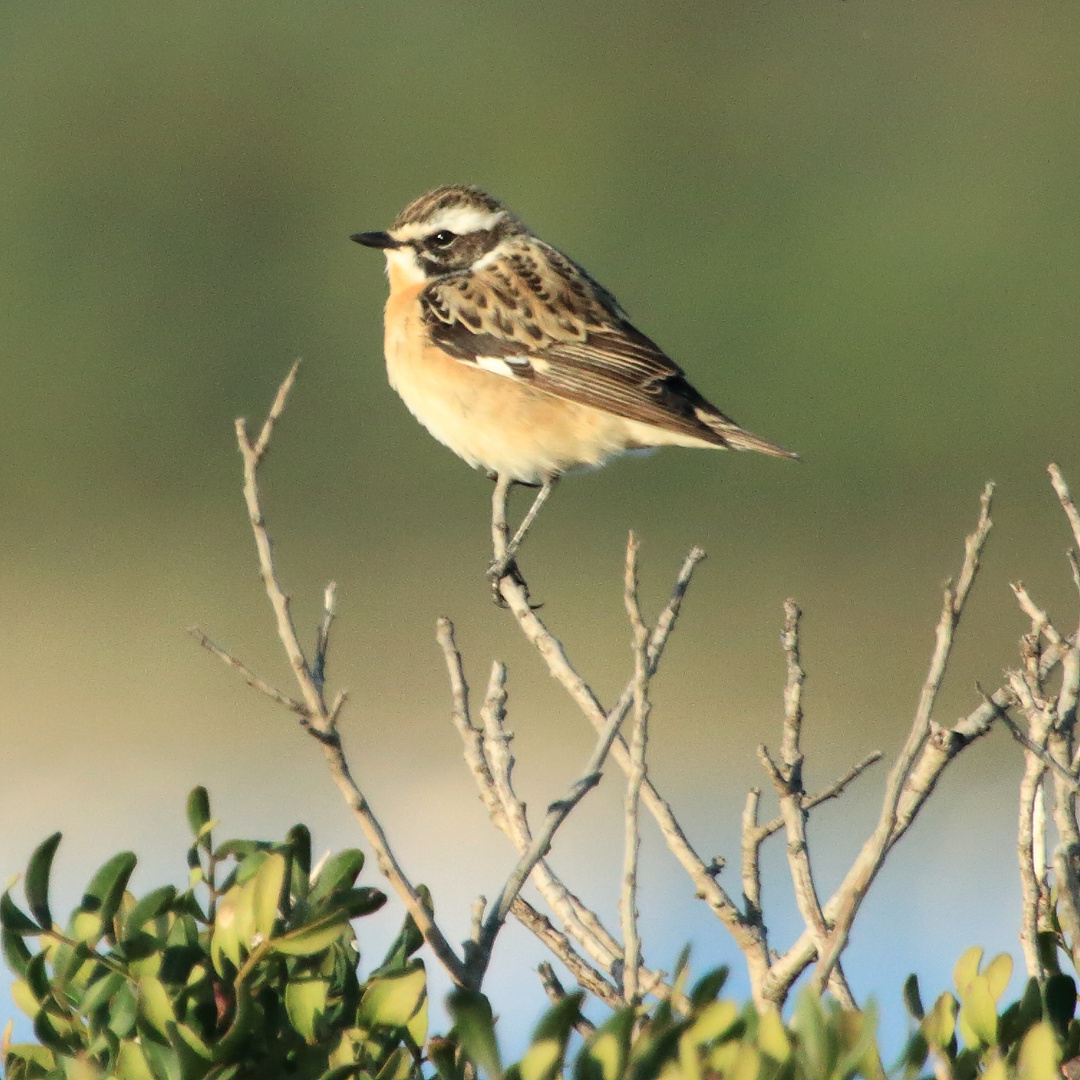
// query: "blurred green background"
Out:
[854,223]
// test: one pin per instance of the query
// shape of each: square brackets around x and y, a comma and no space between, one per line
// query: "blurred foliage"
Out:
[252,971]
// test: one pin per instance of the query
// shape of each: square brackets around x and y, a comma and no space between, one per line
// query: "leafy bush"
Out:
[252,972]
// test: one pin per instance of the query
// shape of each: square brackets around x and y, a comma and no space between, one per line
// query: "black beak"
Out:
[375,239]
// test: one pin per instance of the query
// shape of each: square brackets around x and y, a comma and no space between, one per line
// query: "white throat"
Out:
[406,266]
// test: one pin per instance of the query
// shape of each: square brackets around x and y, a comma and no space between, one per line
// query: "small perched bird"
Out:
[511,355]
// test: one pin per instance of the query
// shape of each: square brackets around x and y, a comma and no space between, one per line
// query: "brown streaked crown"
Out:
[451,227]
[428,206]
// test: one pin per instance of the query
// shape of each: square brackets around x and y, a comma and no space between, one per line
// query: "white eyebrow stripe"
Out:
[458,219]
[510,367]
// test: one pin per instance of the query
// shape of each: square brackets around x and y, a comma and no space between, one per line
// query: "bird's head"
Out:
[448,229]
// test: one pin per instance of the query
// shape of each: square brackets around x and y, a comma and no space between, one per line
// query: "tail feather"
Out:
[738,438]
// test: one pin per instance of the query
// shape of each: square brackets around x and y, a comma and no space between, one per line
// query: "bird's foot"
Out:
[507,567]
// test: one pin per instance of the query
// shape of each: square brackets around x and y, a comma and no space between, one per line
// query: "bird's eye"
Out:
[442,238]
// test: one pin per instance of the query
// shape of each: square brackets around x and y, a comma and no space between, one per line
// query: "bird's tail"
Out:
[738,438]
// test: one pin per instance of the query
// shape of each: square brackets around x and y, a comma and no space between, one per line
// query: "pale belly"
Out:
[493,422]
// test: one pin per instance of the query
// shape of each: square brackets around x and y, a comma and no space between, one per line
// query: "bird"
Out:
[517,359]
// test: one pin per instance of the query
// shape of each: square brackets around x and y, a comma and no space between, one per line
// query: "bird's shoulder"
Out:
[529,300]
[525,292]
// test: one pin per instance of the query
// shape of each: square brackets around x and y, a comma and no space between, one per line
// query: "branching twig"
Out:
[926,752]
[787,779]
[319,718]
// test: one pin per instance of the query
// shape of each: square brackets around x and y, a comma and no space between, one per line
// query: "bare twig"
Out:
[318,717]
[557,813]
[248,675]
[587,977]
[748,935]
[926,752]
[787,779]
[556,995]
[834,790]
[639,739]
[1061,489]
[752,838]
[582,924]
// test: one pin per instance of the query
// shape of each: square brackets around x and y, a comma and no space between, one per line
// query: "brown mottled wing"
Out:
[559,331]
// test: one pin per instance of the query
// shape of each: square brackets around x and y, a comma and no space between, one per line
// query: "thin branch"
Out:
[834,790]
[787,779]
[926,752]
[556,995]
[1034,749]
[557,813]
[248,675]
[587,976]
[748,936]
[1061,489]
[752,837]
[639,739]
[581,923]
[321,719]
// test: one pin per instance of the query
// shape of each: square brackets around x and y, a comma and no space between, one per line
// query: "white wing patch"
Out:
[511,367]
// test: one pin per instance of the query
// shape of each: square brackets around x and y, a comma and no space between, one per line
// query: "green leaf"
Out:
[967,967]
[357,902]
[14,919]
[164,1061]
[978,1015]
[811,1025]
[48,1035]
[1031,1004]
[298,839]
[106,888]
[154,1005]
[311,939]
[912,997]
[772,1036]
[606,1052]
[475,1027]
[25,999]
[193,1052]
[149,907]
[398,1066]
[939,1024]
[711,1022]
[1059,993]
[305,1004]
[559,1020]
[131,1063]
[232,1042]
[266,893]
[340,871]
[708,986]
[16,954]
[198,812]
[393,1000]
[543,1060]
[1039,1054]
[100,991]
[998,973]
[408,941]
[36,885]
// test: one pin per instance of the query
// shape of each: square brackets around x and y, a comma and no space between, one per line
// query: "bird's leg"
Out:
[542,497]
[506,549]
[500,532]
